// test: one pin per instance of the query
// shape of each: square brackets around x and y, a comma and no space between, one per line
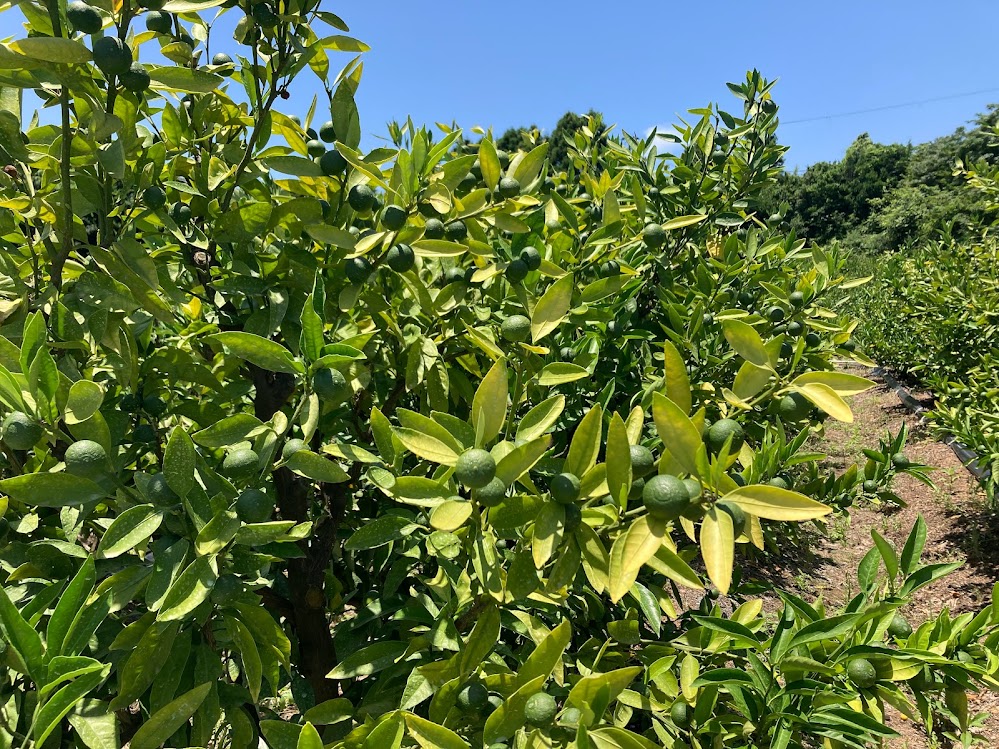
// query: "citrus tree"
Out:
[429,445]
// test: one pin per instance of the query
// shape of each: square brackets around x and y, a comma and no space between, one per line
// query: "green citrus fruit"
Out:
[456,231]
[642,461]
[693,488]
[394,217]
[253,506]
[531,257]
[361,198]
[20,431]
[654,235]
[516,271]
[154,196]
[264,15]
[778,482]
[516,328]
[86,458]
[540,709]
[776,314]
[332,163]
[491,494]
[570,716]
[504,157]
[870,486]
[737,514]
[475,468]
[221,58]
[181,213]
[812,340]
[899,627]
[653,192]
[565,488]
[637,487]
[609,269]
[241,464]
[849,345]
[291,447]
[400,258]
[862,673]
[152,4]
[159,491]
[794,407]
[665,497]
[330,384]
[680,714]
[226,588]
[454,275]
[573,517]
[786,350]
[159,22]
[900,460]
[473,695]
[357,269]
[720,431]
[315,148]
[136,78]
[112,55]
[84,18]
[434,228]
[143,434]
[566,353]
[153,405]
[797,298]
[327,131]
[509,187]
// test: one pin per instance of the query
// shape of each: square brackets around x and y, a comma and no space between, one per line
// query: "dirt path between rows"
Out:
[959,528]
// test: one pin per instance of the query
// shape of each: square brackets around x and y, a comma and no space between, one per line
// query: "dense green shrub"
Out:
[337,448]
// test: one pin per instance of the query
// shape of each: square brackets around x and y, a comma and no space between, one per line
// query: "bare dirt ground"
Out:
[959,528]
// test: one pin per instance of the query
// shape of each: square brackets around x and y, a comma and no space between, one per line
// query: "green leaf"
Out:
[52,49]
[926,575]
[22,638]
[425,446]
[249,654]
[128,530]
[677,431]
[681,221]
[677,382]
[887,553]
[381,531]
[618,460]
[552,308]
[718,547]
[316,467]
[229,431]
[217,533]
[84,400]
[145,662]
[70,604]
[504,721]
[482,640]
[490,402]
[185,79]
[368,660]
[540,419]
[51,489]
[746,342]
[841,383]
[559,373]
[262,352]
[189,590]
[521,459]
[329,712]
[299,167]
[96,725]
[47,718]
[603,687]
[631,550]
[180,461]
[913,548]
[585,445]
[168,720]
[546,656]
[489,163]
[309,738]
[828,400]
[774,503]
[531,165]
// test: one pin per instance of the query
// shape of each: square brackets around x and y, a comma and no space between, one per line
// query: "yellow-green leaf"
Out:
[552,308]
[827,399]
[718,547]
[681,221]
[489,403]
[618,461]
[585,444]
[425,446]
[842,383]
[489,163]
[746,342]
[632,549]
[677,381]
[677,431]
[774,503]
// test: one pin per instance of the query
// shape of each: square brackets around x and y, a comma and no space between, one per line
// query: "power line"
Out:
[890,106]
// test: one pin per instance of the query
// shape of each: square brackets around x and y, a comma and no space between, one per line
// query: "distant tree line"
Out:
[882,197]
[559,139]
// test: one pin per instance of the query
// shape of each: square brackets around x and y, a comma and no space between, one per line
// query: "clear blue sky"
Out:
[641,63]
